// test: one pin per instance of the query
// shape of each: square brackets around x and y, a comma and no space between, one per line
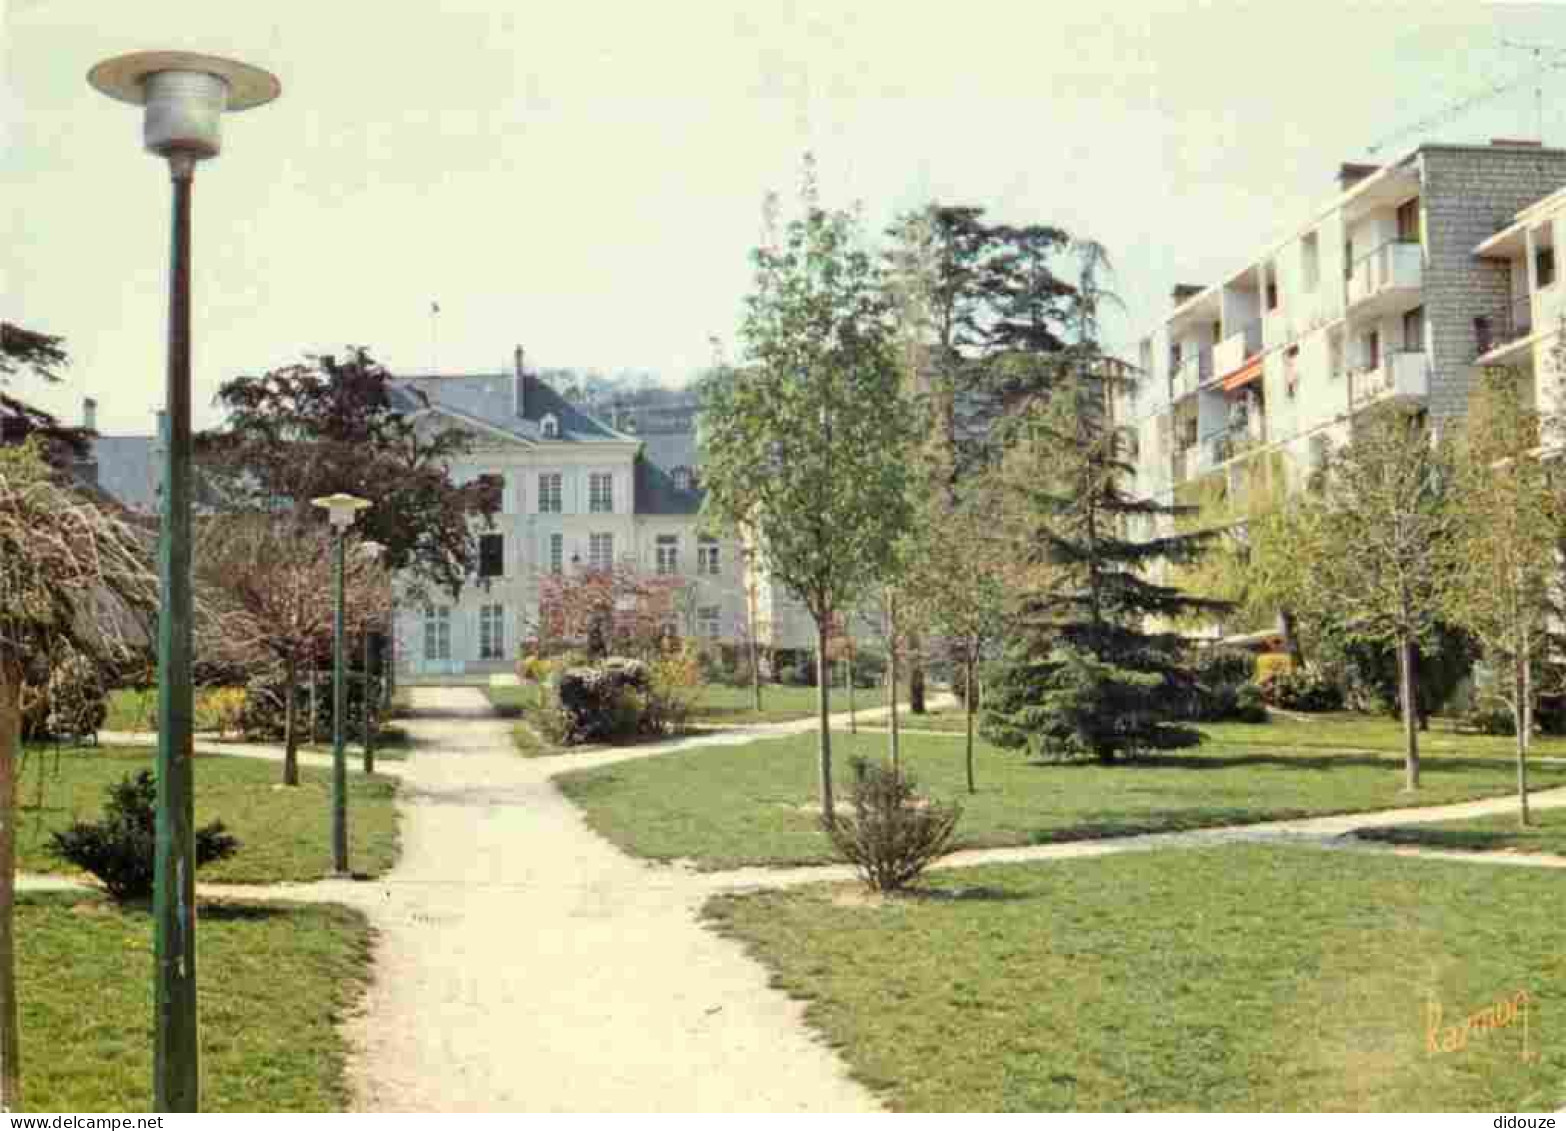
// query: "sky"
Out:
[586,180]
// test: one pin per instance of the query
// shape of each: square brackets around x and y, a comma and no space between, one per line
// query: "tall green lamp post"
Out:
[372,551]
[340,511]
[184,97]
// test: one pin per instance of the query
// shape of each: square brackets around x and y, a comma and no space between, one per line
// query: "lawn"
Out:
[730,704]
[731,806]
[1497,833]
[1334,731]
[284,834]
[136,712]
[1239,978]
[274,984]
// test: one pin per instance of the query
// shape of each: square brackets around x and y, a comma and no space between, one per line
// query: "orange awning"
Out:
[1243,376]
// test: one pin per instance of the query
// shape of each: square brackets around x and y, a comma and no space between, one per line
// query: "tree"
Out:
[42,355]
[1084,673]
[959,593]
[1503,548]
[302,431]
[611,611]
[1381,557]
[267,587]
[75,581]
[802,449]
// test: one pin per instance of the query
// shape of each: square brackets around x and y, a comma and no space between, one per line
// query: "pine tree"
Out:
[1086,674]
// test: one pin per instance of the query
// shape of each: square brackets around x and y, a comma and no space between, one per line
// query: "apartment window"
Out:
[707,557]
[550,426]
[549,493]
[1310,261]
[600,551]
[1414,330]
[1373,350]
[492,555]
[682,479]
[600,493]
[557,553]
[437,633]
[1544,266]
[1408,229]
[492,632]
[1272,286]
[709,620]
[668,551]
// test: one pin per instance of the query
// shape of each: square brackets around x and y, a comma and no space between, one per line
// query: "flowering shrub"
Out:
[606,702]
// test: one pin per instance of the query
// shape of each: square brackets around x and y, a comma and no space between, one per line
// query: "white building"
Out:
[1408,279]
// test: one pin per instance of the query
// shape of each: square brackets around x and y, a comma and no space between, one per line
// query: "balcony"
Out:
[1191,373]
[1235,350]
[1387,280]
[1402,376]
[1528,318]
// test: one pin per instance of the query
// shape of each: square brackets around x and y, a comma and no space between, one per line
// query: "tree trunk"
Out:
[894,734]
[291,724]
[10,758]
[916,705]
[823,719]
[1290,629]
[853,722]
[315,679]
[1405,672]
[1524,720]
[968,704]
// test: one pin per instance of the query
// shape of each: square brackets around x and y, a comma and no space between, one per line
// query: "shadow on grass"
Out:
[1468,840]
[1284,758]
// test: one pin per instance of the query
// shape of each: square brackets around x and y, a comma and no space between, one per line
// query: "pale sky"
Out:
[586,179]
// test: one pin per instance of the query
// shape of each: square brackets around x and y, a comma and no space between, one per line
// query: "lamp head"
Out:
[184,96]
[340,509]
[372,550]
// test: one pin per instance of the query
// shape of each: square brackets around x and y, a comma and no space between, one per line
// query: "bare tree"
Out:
[74,580]
[267,584]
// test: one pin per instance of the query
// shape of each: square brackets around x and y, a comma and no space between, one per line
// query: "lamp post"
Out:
[340,511]
[372,551]
[183,97]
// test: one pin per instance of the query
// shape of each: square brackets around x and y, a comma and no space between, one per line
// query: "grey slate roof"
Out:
[491,399]
[128,468]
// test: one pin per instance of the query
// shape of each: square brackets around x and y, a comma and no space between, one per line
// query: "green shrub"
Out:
[1305,689]
[604,703]
[893,834]
[118,848]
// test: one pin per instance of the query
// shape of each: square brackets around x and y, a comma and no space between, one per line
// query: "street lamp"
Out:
[372,551]
[340,511]
[183,98]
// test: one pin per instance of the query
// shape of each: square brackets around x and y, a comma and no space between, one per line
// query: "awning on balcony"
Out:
[1243,376]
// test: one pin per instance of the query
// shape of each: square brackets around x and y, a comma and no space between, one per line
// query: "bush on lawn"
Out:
[118,848]
[63,699]
[894,834]
[674,688]
[1305,689]
[603,703]
[1220,688]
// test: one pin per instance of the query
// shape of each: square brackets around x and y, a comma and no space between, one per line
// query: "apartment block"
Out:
[1415,275]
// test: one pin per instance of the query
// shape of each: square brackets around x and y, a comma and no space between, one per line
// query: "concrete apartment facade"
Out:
[1414,276]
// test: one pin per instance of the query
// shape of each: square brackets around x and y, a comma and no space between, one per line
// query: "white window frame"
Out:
[666,554]
[549,426]
[600,550]
[557,553]
[551,494]
[709,621]
[708,558]
[492,632]
[437,632]
[600,492]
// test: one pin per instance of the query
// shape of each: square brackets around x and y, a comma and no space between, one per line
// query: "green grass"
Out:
[731,806]
[136,711]
[274,984]
[1497,833]
[284,833]
[1239,978]
[729,704]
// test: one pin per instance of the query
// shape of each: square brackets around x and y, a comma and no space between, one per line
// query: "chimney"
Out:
[89,414]
[520,377]
[1350,174]
[1515,143]
[1184,291]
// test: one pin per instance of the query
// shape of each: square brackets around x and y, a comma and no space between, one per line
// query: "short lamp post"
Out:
[183,97]
[372,551]
[340,511]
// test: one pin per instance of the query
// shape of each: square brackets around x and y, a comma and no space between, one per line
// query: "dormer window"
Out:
[682,479]
[550,426]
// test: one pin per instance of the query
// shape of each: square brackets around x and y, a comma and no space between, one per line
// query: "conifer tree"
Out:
[1089,671]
